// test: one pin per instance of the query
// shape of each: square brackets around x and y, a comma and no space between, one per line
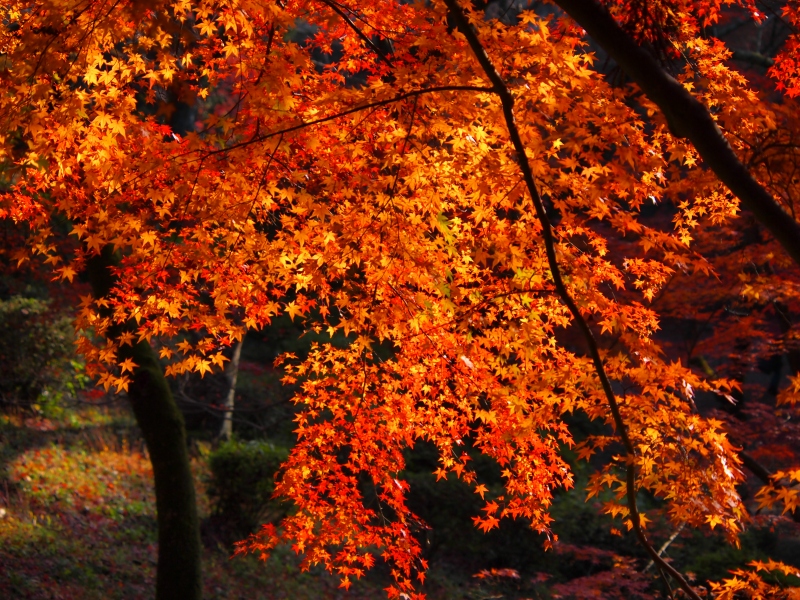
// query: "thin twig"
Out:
[665,545]
[302,125]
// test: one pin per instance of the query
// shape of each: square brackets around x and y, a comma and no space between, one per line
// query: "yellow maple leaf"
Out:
[127,365]
[202,366]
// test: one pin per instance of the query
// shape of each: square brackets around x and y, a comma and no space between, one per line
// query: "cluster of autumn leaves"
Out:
[363,180]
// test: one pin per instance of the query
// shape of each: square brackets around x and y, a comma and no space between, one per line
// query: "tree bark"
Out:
[226,430]
[687,118]
[179,574]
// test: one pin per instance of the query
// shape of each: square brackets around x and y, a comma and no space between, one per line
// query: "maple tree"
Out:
[464,197]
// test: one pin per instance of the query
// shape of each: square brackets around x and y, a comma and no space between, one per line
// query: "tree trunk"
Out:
[233,373]
[179,574]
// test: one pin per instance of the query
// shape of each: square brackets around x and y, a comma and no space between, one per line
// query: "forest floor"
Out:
[77,519]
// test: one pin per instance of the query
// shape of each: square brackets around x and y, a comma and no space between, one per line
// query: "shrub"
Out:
[241,484]
[36,352]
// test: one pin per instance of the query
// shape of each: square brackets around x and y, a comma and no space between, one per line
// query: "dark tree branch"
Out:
[362,107]
[756,468]
[760,471]
[754,58]
[364,37]
[665,545]
[501,89]
[687,118]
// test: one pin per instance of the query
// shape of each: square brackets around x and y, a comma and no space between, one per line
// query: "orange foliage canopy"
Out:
[464,197]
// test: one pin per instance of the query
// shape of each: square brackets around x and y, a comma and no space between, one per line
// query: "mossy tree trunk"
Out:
[179,573]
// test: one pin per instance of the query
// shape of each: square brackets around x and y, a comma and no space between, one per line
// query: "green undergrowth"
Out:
[77,519]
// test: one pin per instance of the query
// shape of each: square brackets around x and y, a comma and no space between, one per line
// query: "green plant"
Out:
[241,484]
[36,350]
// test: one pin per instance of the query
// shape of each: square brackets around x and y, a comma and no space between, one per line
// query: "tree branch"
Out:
[507,100]
[666,545]
[362,107]
[764,475]
[338,10]
[756,468]
[754,58]
[687,118]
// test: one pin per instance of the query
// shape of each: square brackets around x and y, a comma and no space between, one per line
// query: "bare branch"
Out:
[665,545]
